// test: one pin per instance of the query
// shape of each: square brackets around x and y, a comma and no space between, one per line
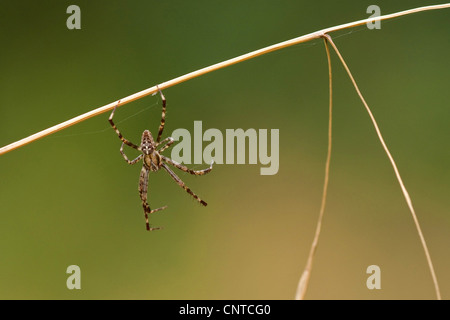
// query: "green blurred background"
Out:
[71,199]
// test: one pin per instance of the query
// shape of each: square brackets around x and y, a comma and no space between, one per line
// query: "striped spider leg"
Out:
[153,161]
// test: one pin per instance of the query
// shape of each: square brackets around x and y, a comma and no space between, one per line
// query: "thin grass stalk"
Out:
[203,71]
[304,279]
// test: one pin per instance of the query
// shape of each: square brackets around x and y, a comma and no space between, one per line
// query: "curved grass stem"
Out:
[200,72]
[394,166]
[304,279]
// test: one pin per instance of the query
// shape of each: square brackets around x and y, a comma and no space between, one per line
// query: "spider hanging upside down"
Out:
[154,160]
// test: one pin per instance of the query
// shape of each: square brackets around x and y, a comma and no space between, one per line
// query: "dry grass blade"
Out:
[200,72]
[304,279]
[394,166]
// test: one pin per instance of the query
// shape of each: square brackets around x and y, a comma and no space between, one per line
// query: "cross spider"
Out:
[154,160]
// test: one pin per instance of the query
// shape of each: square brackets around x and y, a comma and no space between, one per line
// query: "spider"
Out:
[153,161]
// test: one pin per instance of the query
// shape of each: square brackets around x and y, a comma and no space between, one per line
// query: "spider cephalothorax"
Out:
[153,161]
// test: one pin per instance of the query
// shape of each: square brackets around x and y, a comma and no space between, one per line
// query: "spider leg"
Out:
[129,143]
[186,169]
[143,187]
[163,116]
[139,157]
[181,184]
[169,140]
